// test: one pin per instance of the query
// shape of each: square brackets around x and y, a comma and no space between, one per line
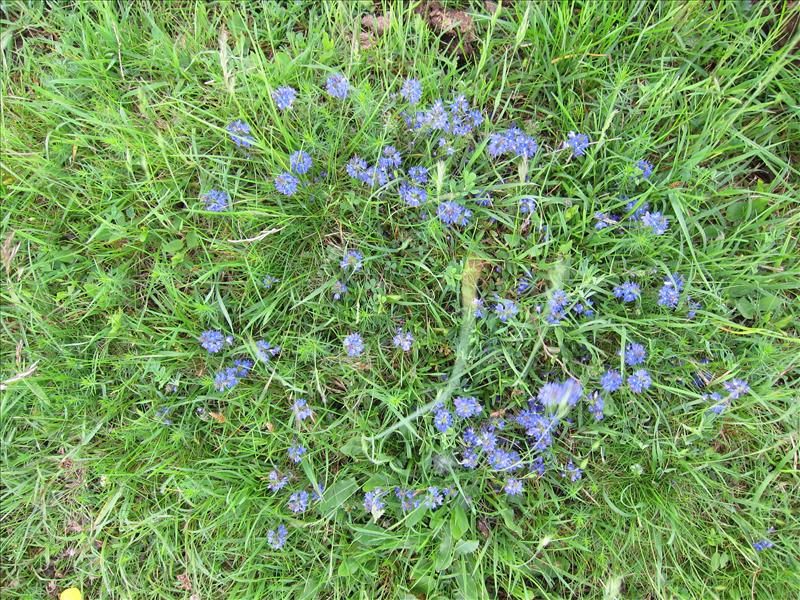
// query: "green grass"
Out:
[113,119]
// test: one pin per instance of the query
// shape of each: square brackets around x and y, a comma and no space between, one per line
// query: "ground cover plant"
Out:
[424,300]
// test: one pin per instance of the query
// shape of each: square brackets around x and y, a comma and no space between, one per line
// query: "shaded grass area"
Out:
[113,125]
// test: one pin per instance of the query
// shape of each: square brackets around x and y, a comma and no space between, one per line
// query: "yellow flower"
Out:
[70,594]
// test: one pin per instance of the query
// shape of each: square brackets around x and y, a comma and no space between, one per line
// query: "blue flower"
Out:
[433,498]
[487,439]
[539,427]
[437,118]
[762,545]
[737,388]
[418,175]
[469,437]
[513,487]
[628,291]
[693,306]
[639,212]
[212,340]
[456,119]
[524,284]
[503,460]
[645,168]
[316,494]
[243,367]
[578,142]
[286,183]
[603,220]
[216,200]
[552,395]
[352,260]
[469,458]
[300,162]
[537,466]
[719,405]
[467,406]
[656,221]
[611,381]
[557,304]
[265,351]
[585,308]
[411,91]
[372,501]
[390,159]
[668,296]
[284,97]
[412,195]
[353,344]
[337,86]
[512,141]
[505,309]
[407,500]
[296,452]
[356,167]
[452,213]
[226,379]
[676,280]
[442,419]
[596,405]
[477,307]
[276,481]
[240,133]
[277,537]
[269,281]
[339,290]
[635,354]
[301,409]
[527,205]
[298,502]
[574,473]
[403,340]
[639,381]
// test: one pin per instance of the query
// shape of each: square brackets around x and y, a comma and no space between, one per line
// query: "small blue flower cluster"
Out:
[505,309]
[431,498]
[214,341]
[627,292]
[558,306]
[353,344]
[301,409]
[670,294]
[403,340]
[352,261]
[266,351]
[337,86]
[762,545]
[216,200]
[578,142]
[284,97]
[639,213]
[411,91]
[453,213]
[277,537]
[736,388]
[513,141]
[229,377]
[240,134]
[455,119]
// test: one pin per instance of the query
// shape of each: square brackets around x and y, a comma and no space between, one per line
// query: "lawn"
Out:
[429,300]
